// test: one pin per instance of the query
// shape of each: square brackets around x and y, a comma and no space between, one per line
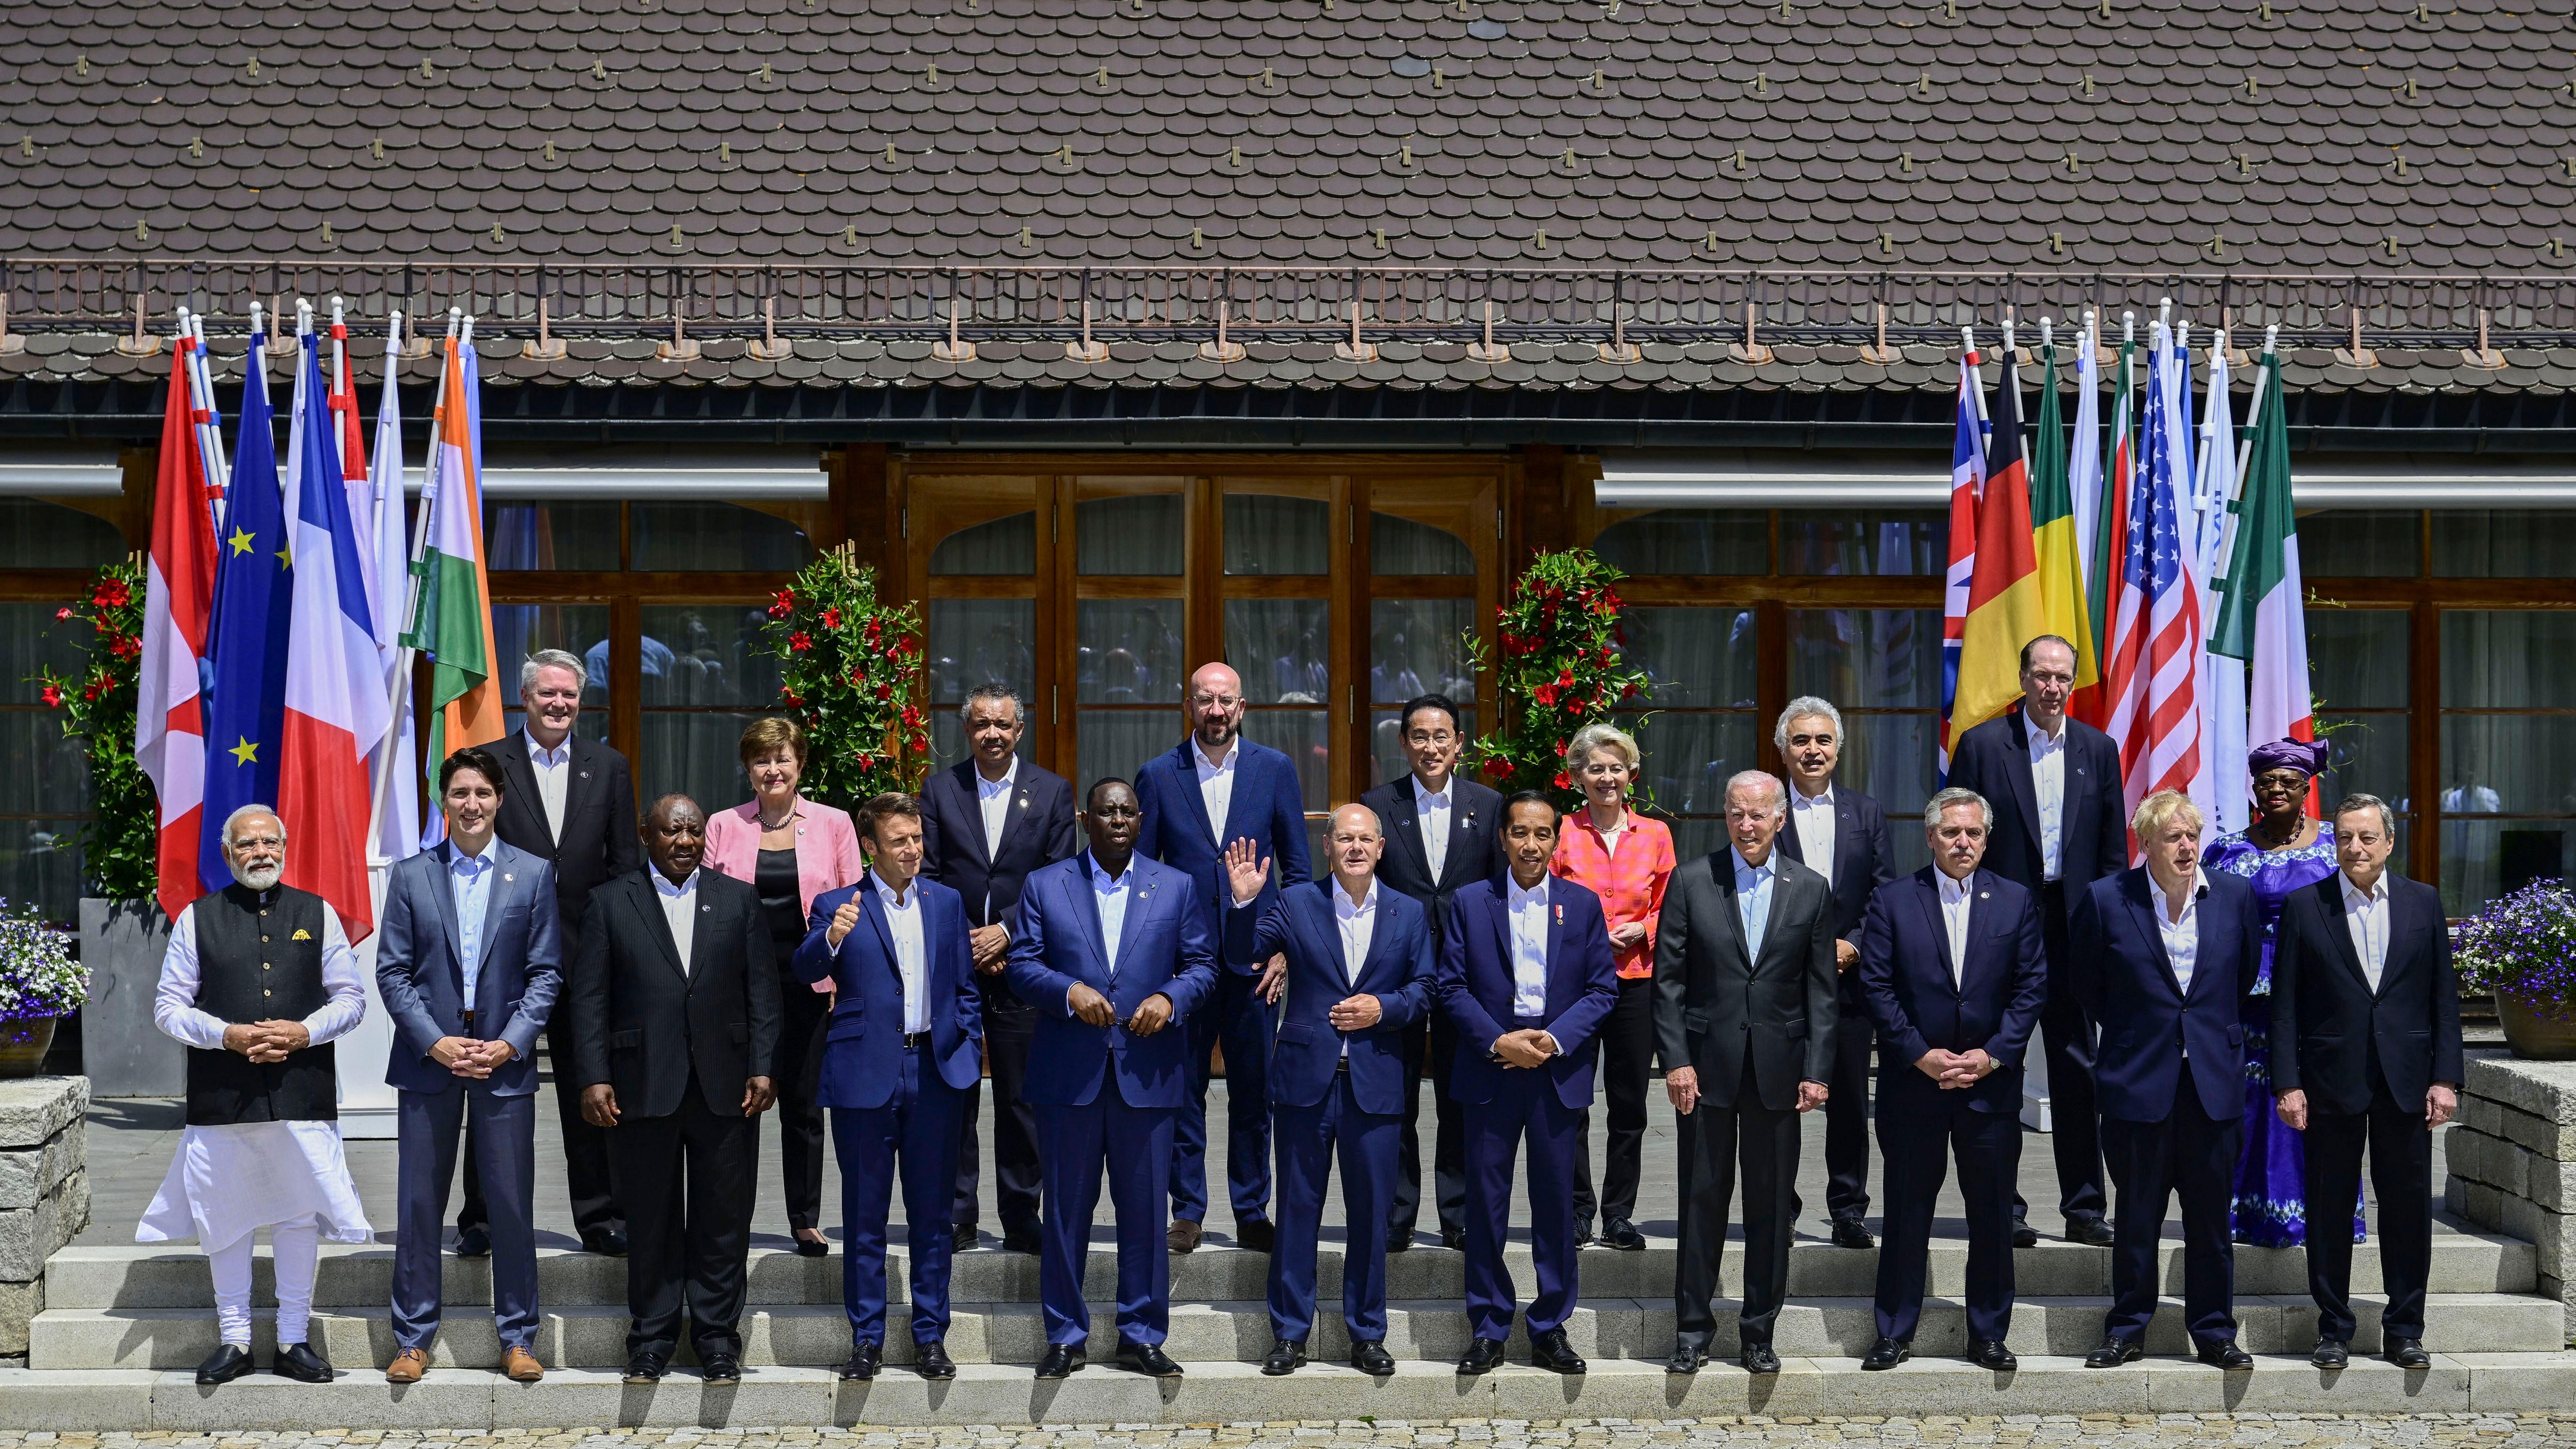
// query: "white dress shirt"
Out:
[2182,938]
[469,881]
[680,909]
[1432,810]
[1111,895]
[1216,783]
[1812,816]
[994,798]
[2367,917]
[1358,921]
[903,923]
[174,1004]
[2048,784]
[1528,910]
[1956,901]
[553,768]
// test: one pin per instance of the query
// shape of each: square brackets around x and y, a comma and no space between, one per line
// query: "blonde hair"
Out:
[2163,808]
[1578,751]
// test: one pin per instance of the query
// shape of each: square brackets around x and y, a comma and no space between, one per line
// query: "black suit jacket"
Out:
[1475,843]
[2327,1024]
[642,1025]
[599,842]
[1037,831]
[1864,860]
[1714,1008]
[2093,830]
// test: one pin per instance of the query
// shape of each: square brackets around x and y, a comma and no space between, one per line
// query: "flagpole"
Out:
[205,423]
[400,688]
[2245,448]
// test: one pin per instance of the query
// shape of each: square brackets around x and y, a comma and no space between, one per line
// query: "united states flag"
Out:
[2152,674]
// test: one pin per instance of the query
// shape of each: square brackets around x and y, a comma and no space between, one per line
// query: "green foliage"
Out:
[849,672]
[1558,668]
[117,845]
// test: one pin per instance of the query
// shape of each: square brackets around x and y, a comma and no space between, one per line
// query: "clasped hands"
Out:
[1953,1070]
[470,1058]
[1093,1009]
[267,1041]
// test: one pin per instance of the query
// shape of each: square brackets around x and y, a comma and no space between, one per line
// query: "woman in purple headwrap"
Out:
[2281,851]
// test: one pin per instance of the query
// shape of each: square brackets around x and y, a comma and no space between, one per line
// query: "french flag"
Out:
[335,685]
[178,604]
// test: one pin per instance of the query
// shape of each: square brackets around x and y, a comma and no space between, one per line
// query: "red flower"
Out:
[782,603]
[911,717]
[906,647]
[54,696]
[1562,782]
[1498,767]
[124,646]
[1628,691]
[1545,694]
[876,630]
[110,593]
[800,641]
[867,763]
[885,691]
[62,614]
[793,699]
[832,617]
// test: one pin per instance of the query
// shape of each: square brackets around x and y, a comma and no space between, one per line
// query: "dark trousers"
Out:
[804,1015]
[1310,1140]
[1239,1020]
[1918,1153]
[2066,1036]
[1715,1142]
[1525,1105]
[1008,1025]
[1436,1046]
[1625,1071]
[689,1180]
[2192,1152]
[1134,1146]
[916,1130]
[1847,1111]
[505,1138]
[588,1179]
[2401,1171]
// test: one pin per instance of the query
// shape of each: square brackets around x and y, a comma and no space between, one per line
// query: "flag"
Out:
[2222,693]
[394,772]
[178,597]
[2154,657]
[2262,614]
[352,447]
[2005,607]
[1967,477]
[2084,482]
[247,642]
[2057,539]
[454,622]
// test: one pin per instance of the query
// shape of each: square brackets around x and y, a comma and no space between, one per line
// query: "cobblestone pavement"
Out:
[2125,1431]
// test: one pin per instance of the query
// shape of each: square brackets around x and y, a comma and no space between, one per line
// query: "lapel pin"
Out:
[506,877]
[585,774]
[1983,896]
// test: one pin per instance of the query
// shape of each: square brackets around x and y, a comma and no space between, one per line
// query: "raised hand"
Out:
[1245,870]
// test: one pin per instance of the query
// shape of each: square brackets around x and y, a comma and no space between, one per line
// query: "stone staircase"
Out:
[122,1326]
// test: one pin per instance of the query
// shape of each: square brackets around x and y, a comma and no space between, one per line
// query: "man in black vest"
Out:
[986,824]
[258,980]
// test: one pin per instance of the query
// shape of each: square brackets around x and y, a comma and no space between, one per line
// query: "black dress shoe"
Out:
[1023,1241]
[864,1361]
[720,1368]
[1370,1357]
[1550,1351]
[1760,1359]
[930,1359]
[1887,1354]
[1583,1235]
[1990,1353]
[2225,1355]
[1253,1235]
[813,1248]
[473,1243]
[230,1361]
[1147,1359]
[1454,1239]
[2408,1353]
[1399,1242]
[1622,1234]
[1850,1233]
[1686,1359]
[2024,1235]
[607,1242]
[1061,1359]
[2091,1232]
[2331,1353]
[299,1362]
[645,1368]
[1287,1355]
[2113,1353]
[965,1239]
[1483,1356]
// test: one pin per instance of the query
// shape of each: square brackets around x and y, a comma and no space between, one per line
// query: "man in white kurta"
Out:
[258,981]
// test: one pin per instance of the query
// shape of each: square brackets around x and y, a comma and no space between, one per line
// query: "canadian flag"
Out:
[178,601]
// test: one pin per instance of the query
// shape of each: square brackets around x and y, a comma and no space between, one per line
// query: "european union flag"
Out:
[246,647]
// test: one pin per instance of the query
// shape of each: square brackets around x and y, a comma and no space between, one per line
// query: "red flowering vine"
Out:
[847,677]
[98,703]
[1557,668]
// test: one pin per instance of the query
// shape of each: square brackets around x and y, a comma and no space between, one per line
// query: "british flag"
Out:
[2152,673]
[1967,484]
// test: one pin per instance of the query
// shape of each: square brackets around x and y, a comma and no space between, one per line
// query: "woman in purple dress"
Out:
[2283,850]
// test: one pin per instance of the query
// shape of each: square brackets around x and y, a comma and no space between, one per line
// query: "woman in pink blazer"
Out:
[790,850]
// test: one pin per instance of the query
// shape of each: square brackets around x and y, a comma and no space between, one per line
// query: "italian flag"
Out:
[2261,616]
[455,620]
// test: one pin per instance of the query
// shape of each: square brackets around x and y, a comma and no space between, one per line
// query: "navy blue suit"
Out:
[1268,808]
[1504,1103]
[1992,1003]
[1104,1094]
[2170,1072]
[420,973]
[891,1102]
[1330,1088]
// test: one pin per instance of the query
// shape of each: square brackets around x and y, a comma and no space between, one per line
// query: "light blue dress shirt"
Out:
[469,880]
[1112,896]
[1753,899]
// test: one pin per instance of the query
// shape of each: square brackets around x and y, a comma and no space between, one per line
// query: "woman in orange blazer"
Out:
[790,850]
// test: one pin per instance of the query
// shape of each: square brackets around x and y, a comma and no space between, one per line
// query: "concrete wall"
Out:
[44,1191]
[2512,1161]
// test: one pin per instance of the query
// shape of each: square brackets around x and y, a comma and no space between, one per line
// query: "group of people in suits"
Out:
[864,975]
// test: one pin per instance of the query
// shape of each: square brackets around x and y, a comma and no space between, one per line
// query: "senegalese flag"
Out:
[2005,607]
[2058,539]
[455,618]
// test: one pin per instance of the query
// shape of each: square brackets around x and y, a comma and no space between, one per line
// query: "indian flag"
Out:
[455,619]
[2262,616]
[2057,539]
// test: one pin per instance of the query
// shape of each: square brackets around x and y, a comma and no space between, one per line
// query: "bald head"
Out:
[1215,707]
[1353,841]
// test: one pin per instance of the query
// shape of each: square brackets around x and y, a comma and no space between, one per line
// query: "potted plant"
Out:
[40,983]
[849,669]
[1557,668]
[2522,947]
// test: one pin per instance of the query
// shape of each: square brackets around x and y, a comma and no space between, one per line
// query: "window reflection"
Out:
[1006,546]
[1401,546]
[1419,646]
[38,535]
[519,630]
[1128,651]
[715,538]
[2341,543]
[2508,750]
[1881,542]
[1269,534]
[1693,656]
[1281,648]
[2483,543]
[1689,541]
[579,537]
[975,642]
[1140,534]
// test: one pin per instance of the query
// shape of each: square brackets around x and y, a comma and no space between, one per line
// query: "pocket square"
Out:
[301,934]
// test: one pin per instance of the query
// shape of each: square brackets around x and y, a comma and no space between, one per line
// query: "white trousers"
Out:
[297,1246]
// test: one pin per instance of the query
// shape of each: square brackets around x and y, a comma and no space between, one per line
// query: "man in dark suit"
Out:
[675,1019]
[2164,955]
[1359,977]
[1841,834]
[2366,1050]
[901,1055]
[2059,826]
[1526,978]
[569,801]
[1215,788]
[1746,1010]
[1113,954]
[1953,973]
[1442,831]
[469,963]
[986,823]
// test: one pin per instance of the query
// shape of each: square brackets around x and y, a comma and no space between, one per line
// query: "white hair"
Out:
[553,659]
[1600,736]
[1803,705]
[1940,805]
[247,810]
[1763,782]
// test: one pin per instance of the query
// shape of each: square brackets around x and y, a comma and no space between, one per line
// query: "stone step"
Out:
[1240,1331]
[104,1400]
[166,1276]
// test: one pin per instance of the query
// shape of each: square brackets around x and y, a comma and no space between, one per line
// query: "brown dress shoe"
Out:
[407,1367]
[1183,1236]
[521,1365]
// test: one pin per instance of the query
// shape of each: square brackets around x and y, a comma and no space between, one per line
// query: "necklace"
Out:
[2276,842]
[767,824]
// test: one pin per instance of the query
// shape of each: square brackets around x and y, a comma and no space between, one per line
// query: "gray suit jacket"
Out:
[1715,1009]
